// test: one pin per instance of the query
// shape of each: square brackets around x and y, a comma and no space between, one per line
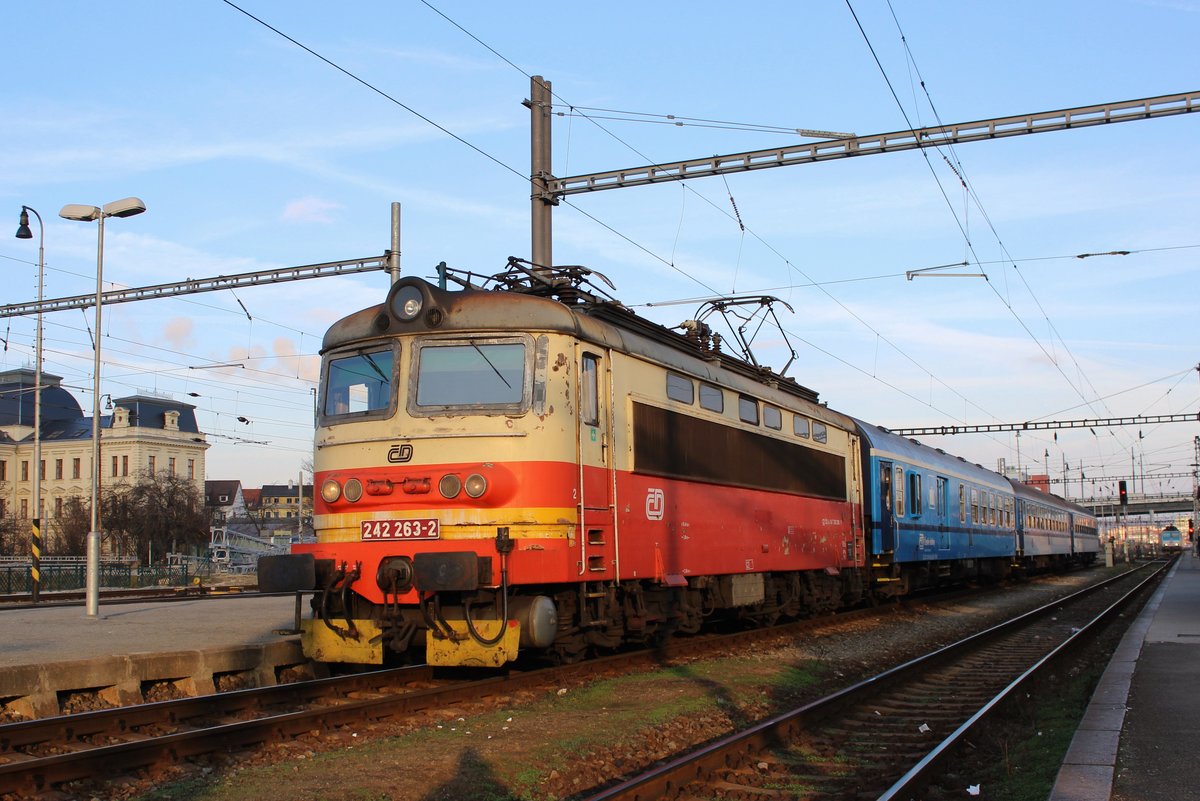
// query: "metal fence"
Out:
[15,578]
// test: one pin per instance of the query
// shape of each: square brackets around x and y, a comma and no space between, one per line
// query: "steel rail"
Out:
[919,775]
[669,778]
[26,775]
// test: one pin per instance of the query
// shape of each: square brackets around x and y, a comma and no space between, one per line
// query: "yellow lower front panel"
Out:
[323,644]
[464,651]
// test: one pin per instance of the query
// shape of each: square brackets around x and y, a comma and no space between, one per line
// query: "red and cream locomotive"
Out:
[532,467]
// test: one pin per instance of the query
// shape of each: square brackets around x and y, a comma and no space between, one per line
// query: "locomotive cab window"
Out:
[589,400]
[772,417]
[680,388]
[747,410]
[712,398]
[360,384]
[800,426]
[482,375]
[820,433]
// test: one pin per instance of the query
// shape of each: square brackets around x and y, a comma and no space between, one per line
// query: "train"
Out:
[1171,539]
[520,465]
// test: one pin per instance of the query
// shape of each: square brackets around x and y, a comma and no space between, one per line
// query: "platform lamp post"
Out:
[35,542]
[126,207]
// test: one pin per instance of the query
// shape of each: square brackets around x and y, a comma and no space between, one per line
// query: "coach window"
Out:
[589,401]
[898,485]
[800,426]
[747,410]
[974,505]
[942,484]
[712,398]
[819,432]
[962,503]
[914,493]
[680,388]
[772,417]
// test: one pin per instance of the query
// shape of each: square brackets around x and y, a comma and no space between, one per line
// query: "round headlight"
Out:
[450,485]
[331,490]
[406,305]
[475,485]
[353,490]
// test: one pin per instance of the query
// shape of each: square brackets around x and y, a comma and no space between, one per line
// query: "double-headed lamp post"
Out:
[126,207]
[35,543]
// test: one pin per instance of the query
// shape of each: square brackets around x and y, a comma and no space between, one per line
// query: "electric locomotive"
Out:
[1171,539]
[532,467]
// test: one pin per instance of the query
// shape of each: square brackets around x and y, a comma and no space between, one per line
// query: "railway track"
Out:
[45,755]
[885,737]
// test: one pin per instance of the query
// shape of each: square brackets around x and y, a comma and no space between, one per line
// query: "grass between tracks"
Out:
[549,747]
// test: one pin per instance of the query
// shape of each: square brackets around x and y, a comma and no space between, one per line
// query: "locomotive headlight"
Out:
[353,490]
[331,490]
[406,305]
[450,485]
[475,485]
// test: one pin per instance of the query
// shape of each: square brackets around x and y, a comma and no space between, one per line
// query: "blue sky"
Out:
[250,154]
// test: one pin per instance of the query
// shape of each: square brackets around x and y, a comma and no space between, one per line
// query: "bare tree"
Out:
[67,532]
[157,514]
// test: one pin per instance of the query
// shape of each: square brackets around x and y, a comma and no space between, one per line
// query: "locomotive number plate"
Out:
[425,528]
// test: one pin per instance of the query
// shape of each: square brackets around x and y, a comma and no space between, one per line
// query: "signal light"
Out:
[1191,527]
[1124,495]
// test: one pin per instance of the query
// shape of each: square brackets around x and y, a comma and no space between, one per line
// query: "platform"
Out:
[50,655]
[1138,739]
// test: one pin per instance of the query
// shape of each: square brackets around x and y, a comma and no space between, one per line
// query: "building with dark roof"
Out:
[144,434]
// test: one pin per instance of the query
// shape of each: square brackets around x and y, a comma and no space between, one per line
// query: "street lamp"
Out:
[35,543]
[127,207]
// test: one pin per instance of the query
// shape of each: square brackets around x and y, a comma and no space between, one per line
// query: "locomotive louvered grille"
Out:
[680,446]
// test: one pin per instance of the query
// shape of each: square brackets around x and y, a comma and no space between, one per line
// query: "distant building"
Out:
[285,502]
[226,501]
[144,434]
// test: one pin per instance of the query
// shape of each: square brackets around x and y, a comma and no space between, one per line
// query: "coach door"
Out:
[887,501]
[598,535]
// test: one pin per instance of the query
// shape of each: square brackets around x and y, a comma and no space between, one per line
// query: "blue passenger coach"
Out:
[1053,533]
[932,518]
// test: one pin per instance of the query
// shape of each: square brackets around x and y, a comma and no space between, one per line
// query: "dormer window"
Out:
[171,421]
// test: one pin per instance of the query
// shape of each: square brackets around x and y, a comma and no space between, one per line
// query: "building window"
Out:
[3,471]
[58,469]
[171,465]
[42,470]
[124,465]
[24,471]
[58,503]
[191,468]
[114,465]
[75,467]
[150,465]
[24,507]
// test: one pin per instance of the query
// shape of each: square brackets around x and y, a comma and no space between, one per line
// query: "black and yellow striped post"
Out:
[35,563]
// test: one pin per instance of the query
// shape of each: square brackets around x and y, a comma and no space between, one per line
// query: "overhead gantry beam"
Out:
[808,153]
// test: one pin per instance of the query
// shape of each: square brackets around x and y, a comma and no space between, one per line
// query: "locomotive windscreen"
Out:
[680,446]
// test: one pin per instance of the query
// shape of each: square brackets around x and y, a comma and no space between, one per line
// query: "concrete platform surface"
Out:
[1140,738]
[49,654]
